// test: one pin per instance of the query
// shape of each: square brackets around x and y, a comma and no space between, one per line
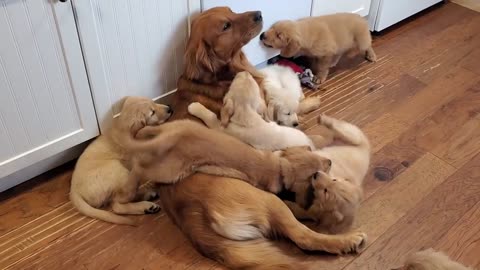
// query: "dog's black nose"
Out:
[295,124]
[262,35]
[257,17]
[169,110]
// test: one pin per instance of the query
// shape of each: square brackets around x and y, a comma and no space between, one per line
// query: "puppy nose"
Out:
[295,124]
[257,17]
[262,35]
[169,110]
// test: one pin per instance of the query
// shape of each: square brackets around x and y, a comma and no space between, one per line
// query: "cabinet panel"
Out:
[131,48]
[324,7]
[45,101]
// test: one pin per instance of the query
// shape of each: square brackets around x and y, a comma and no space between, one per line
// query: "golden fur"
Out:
[101,174]
[430,259]
[232,204]
[333,197]
[324,39]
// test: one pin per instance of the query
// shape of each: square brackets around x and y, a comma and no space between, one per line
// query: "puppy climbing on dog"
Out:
[323,39]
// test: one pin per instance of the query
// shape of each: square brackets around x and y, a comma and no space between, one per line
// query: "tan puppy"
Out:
[332,198]
[324,39]
[101,174]
[431,260]
[181,148]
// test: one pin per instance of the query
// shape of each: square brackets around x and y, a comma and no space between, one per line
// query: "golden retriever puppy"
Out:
[324,39]
[430,259]
[101,174]
[240,117]
[181,148]
[332,198]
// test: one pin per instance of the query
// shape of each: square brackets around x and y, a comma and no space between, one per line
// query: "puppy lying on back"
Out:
[241,118]
[332,198]
[183,147]
[430,259]
[324,39]
[101,174]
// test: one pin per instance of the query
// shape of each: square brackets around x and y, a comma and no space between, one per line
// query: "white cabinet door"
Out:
[324,7]
[45,101]
[131,47]
[272,11]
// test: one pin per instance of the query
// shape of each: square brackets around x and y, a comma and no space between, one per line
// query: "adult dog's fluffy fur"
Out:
[101,173]
[240,117]
[332,198]
[325,39]
[430,259]
[214,211]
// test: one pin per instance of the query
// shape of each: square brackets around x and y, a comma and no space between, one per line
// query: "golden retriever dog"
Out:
[241,118]
[210,209]
[181,148]
[101,174]
[332,198]
[324,39]
[430,259]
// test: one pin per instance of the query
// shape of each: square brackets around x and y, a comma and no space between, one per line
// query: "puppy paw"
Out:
[195,108]
[152,208]
[371,56]
[150,196]
[355,242]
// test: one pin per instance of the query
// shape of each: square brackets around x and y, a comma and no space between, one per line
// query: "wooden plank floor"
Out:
[419,104]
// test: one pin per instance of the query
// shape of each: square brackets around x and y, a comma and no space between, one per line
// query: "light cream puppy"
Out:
[241,118]
[333,197]
[324,39]
[101,175]
[430,259]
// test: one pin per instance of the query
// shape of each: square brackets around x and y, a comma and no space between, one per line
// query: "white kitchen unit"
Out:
[385,13]
[45,101]
[324,7]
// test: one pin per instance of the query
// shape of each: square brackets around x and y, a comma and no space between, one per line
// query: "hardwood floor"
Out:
[420,106]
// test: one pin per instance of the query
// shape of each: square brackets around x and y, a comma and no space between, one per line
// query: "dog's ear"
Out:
[271,111]
[197,59]
[339,216]
[292,48]
[226,112]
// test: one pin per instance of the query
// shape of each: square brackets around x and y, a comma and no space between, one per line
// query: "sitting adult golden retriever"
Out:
[101,175]
[216,212]
[324,39]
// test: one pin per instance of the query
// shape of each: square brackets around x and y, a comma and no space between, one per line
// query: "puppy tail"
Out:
[431,259]
[258,254]
[347,132]
[86,209]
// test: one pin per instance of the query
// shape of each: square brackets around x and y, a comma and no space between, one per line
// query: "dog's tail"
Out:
[347,132]
[86,209]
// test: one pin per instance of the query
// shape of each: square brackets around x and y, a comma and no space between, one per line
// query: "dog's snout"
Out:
[257,16]
[262,36]
[295,124]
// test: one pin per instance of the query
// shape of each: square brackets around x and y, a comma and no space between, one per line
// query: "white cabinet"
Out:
[131,48]
[324,7]
[45,101]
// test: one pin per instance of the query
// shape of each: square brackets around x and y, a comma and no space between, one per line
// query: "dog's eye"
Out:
[325,190]
[289,113]
[315,176]
[334,180]
[152,112]
[226,26]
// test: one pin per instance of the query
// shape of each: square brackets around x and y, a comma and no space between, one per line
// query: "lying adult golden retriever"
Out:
[324,39]
[101,174]
[216,212]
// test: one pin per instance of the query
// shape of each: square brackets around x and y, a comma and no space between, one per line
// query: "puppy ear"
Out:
[271,112]
[226,112]
[339,216]
[292,48]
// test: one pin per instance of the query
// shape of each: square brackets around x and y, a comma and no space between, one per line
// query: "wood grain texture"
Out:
[422,189]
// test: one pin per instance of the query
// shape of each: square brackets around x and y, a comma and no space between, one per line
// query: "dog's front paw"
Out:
[355,242]
[152,208]
[195,108]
